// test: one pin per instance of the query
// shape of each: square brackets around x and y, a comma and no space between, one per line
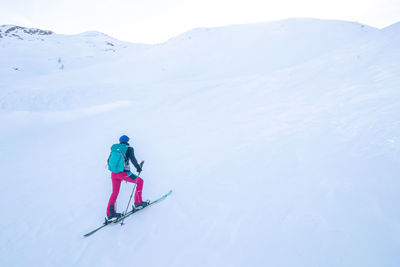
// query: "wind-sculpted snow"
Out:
[279,140]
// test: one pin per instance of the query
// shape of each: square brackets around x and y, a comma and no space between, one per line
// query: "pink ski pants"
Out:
[117,178]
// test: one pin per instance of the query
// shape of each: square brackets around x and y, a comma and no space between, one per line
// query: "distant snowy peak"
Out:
[11,35]
[21,33]
[29,51]
[99,37]
[13,32]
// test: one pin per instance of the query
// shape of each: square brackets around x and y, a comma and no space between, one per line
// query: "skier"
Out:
[118,164]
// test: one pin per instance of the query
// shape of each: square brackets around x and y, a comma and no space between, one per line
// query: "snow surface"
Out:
[280,141]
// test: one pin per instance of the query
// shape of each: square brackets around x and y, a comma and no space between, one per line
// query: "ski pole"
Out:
[133,190]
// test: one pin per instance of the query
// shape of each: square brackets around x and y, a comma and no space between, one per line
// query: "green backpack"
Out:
[116,160]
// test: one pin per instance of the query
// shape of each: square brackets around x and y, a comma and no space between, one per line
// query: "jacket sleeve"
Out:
[131,156]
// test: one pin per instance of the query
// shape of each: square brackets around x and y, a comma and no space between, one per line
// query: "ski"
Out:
[127,215]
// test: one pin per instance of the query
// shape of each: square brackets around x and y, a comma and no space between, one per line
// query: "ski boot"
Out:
[141,205]
[113,214]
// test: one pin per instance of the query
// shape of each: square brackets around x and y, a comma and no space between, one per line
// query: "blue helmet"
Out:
[124,138]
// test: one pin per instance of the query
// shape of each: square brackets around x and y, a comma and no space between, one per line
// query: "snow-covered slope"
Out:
[247,49]
[280,141]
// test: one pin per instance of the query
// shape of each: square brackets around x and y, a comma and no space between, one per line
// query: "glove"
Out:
[139,169]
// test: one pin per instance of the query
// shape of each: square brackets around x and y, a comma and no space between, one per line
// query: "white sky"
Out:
[152,21]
